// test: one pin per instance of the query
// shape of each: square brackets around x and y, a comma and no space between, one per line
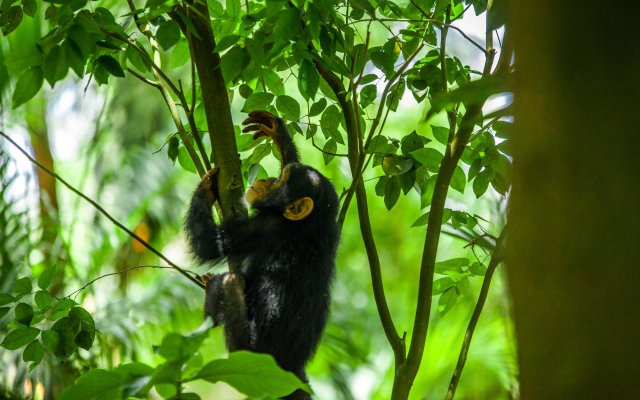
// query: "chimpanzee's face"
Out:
[263,188]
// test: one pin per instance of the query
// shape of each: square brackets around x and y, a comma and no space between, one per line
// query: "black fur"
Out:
[287,266]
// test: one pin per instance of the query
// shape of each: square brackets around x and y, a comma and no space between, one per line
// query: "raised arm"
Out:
[266,124]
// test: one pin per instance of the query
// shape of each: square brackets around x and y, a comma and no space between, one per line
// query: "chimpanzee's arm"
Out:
[202,234]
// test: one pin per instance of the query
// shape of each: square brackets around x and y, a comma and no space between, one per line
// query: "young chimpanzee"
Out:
[279,302]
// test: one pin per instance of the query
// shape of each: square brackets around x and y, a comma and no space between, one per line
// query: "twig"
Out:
[103,211]
[497,257]
[76,292]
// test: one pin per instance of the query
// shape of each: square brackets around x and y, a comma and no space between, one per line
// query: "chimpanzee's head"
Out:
[298,192]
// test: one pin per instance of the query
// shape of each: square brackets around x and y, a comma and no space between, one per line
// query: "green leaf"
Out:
[481,182]
[185,161]
[364,5]
[174,148]
[61,308]
[257,101]
[233,63]
[442,284]
[422,220]
[368,95]
[51,340]
[255,375]
[452,266]
[173,347]
[11,19]
[447,300]
[43,299]
[329,149]
[226,42]
[46,277]
[412,142]
[7,298]
[317,107]
[478,269]
[22,286]
[440,133]
[111,65]
[260,152]
[288,107]
[84,339]
[458,181]
[33,352]
[95,384]
[75,59]
[55,66]
[287,25]
[472,92]
[19,337]
[308,80]
[168,34]
[331,118]
[29,7]
[233,8]
[393,165]
[497,14]
[24,314]
[429,157]
[179,56]
[392,192]
[407,180]
[4,311]
[27,86]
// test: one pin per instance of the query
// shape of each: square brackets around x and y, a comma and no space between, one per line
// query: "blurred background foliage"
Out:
[110,143]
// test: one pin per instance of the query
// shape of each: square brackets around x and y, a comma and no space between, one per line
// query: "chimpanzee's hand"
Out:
[264,123]
[209,185]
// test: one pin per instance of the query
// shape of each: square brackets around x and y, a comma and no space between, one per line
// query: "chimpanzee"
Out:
[279,301]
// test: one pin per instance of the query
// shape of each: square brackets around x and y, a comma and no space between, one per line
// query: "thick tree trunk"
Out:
[574,246]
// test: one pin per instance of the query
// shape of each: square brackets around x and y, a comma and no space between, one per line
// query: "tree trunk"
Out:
[574,212]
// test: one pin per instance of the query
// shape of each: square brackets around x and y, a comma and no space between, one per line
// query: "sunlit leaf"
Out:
[458,181]
[95,384]
[255,375]
[447,300]
[288,107]
[19,337]
[27,86]
[308,80]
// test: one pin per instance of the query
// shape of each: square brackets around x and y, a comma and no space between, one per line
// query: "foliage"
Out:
[337,72]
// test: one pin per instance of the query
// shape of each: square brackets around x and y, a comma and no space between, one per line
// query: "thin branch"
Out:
[327,152]
[143,79]
[76,292]
[437,23]
[496,259]
[103,211]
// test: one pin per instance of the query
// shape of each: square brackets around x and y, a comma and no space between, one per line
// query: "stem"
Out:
[496,259]
[215,100]
[104,212]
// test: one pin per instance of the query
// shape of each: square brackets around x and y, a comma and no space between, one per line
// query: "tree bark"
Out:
[218,112]
[574,250]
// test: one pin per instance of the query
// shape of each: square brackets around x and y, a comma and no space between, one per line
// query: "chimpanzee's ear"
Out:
[298,209]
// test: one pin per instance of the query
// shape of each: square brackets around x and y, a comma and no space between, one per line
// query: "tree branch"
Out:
[104,212]
[496,259]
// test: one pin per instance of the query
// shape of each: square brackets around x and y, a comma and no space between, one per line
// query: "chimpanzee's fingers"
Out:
[249,128]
